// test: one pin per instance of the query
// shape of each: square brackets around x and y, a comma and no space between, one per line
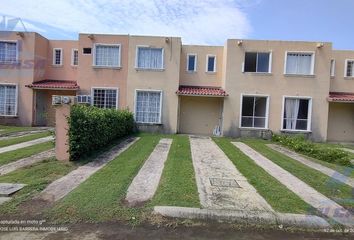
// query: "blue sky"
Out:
[196,21]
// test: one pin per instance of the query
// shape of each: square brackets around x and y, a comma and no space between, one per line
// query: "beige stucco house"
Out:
[244,88]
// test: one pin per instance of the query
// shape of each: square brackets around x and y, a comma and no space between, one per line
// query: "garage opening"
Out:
[200,110]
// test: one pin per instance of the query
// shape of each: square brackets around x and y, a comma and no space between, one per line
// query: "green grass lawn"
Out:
[4,129]
[276,194]
[12,141]
[341,193]
[177,185]
[11,156]
[37,177]
[100,197]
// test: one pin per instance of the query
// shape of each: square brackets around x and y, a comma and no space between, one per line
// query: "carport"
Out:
[200,110]
[341,117]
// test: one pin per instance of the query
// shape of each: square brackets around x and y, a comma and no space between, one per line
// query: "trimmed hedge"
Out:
[91,128]
[299,144]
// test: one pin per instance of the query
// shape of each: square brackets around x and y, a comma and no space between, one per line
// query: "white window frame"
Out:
[72,57]
[107,45]
[267,110]
[309,114]
[313,59]
[16,104]
[195,62]
[206,63]
[333,68]
[17,49]
[61,56]
[105,88]
[149,69]
[135,104]
[346,68]
[269,65]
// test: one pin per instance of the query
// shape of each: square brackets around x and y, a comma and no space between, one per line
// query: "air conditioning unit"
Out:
[56,100]
[83,99]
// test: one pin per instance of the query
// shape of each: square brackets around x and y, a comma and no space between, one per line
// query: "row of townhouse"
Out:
[245,87]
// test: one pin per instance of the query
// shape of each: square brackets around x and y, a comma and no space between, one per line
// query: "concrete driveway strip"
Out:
[26,144]
[323,204]
[26,161]
[145,183]
[220,184]
[325,170]
[61,187]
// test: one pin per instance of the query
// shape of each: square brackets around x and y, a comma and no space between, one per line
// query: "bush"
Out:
[299,144]
[91,128]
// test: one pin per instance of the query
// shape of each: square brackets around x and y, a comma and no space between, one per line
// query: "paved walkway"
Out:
[26,161]
[304,191]
[145,183]
[325,170]
[220,184]
[26,144]
[61,187]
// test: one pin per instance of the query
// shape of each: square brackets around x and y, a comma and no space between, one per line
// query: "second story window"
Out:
[149,58]
[211,63]
[107,55]
[191,62]
[257,62]
[8,52]
[301,63]
[75,57]
[58,56]
[349,68]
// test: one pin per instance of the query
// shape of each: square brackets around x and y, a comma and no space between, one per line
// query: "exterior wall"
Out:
[40,56]
[20,74]
[201,77]
[340,83]
[276,84]
[90,76]
[199,115]
[166,80]
[341,122]
[64,71]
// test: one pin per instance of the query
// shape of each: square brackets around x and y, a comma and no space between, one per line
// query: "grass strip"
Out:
[37,177]
[337,191]
[14,155]
[177,185]
[17,140]
[276,194]
[12,129]
[99,198]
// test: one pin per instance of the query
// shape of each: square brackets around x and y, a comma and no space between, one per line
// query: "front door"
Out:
[41,108]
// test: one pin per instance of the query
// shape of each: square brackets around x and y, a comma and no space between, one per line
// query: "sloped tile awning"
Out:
[341,97]
[201,91]
[54,85]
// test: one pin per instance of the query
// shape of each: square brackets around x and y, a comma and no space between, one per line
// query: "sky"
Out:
[208,22]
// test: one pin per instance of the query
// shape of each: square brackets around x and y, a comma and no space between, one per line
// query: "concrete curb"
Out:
[245,217]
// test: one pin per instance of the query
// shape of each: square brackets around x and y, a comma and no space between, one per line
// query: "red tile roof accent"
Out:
[54,84]
[201,91]
[341,97]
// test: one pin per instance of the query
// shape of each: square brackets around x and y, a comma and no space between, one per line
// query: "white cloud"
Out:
[197,22]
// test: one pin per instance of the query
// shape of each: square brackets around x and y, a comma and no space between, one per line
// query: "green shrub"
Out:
[300,144]
[91,128]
